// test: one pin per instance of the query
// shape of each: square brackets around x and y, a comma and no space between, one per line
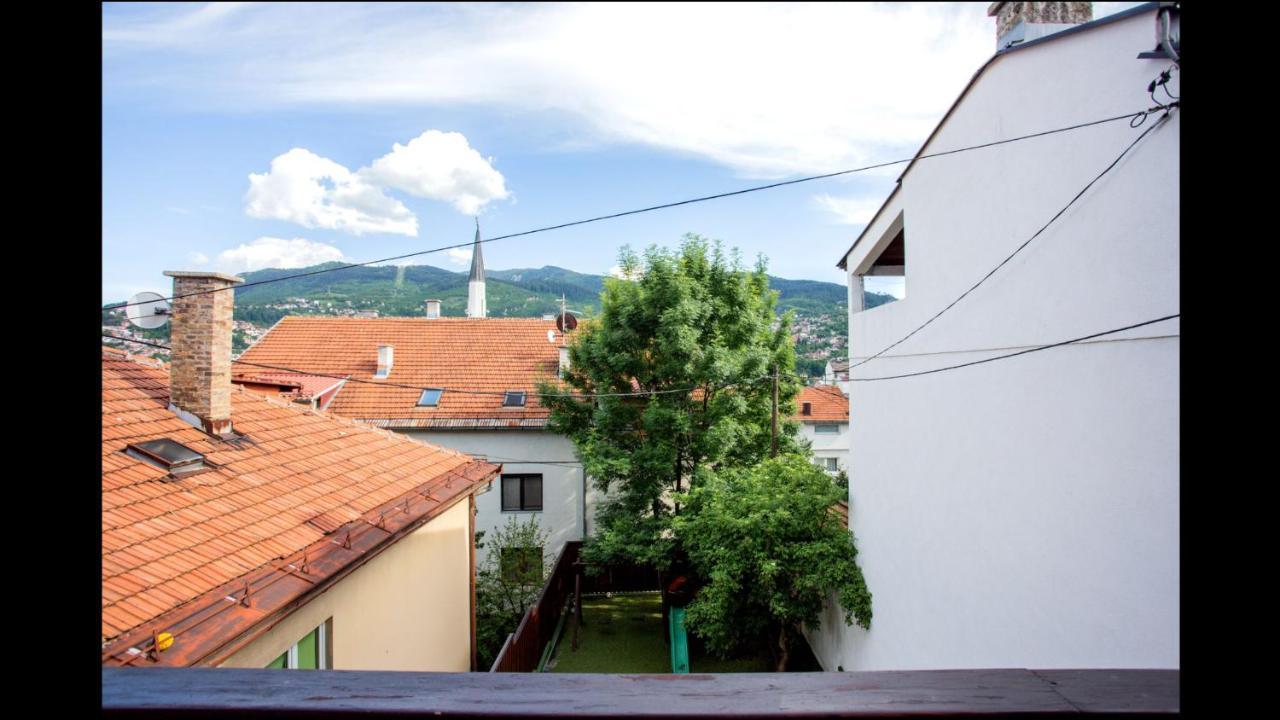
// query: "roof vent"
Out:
[167,455]
[433,309]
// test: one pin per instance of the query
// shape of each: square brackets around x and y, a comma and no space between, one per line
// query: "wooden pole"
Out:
[577,606]
[773,431]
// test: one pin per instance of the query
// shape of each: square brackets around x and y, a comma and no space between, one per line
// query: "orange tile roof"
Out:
[303,384]
[827,404]
[490,355]
[173,549]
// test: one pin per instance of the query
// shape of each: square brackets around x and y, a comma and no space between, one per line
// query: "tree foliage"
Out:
[770,549]
[506,583]
[687,318]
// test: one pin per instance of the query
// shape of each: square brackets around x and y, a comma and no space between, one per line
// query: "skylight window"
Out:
[514,398]
[430,398]
[167,455]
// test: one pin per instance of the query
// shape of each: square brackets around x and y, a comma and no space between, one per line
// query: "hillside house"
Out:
[1025,513]
[244,530]
[823,413]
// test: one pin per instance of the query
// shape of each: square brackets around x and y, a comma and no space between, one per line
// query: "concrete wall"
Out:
[562,484]
[409,608]
[1024,513]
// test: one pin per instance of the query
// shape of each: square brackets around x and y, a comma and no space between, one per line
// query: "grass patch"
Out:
[625,634]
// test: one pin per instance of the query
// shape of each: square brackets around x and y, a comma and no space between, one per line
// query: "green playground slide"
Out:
[679,641]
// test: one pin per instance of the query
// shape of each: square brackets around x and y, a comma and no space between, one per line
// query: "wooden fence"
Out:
[523,648]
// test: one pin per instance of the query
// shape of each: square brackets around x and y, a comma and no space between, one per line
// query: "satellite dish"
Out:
[566,321]
[147,310]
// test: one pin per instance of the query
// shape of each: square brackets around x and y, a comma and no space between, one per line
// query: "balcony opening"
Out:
[885,279]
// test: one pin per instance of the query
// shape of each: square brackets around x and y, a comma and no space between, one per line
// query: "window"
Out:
[309,653]
[514,398]
[825,428]
[430,398]
[522,565]
[806,409]
[830,464]
[521,492]
[167,455]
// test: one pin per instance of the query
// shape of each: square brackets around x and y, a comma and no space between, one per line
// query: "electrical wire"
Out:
[1038,348]
[498,393]
[1128,116]
[1018,249]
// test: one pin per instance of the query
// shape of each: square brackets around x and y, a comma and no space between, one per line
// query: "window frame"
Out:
[323,659]
[439,394]
[826,428]
[506,399]
[521,477]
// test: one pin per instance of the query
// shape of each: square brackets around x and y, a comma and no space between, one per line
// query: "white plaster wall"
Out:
[1024,513]
[409,608]
[826,445]
[562,485]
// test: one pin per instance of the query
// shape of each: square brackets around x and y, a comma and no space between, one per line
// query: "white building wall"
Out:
[827,445]
[562,484]
[1024,513]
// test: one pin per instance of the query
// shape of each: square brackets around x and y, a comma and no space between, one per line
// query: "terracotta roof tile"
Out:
[169,542]
[827,404]
[483,354]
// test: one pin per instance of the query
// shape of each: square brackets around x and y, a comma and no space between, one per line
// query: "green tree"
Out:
[771,550]
[697,333]
[507,582]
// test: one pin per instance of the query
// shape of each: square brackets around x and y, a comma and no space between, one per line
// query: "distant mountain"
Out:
[519,292]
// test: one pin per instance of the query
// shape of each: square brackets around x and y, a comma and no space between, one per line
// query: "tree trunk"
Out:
[784,649]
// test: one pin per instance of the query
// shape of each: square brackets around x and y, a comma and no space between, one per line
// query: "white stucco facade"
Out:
[828,444]
[1025,512]
[564,515]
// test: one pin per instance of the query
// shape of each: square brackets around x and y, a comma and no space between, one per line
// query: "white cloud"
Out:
[197,259]
[458,256]
[767,89]
[316,192]
[850,210]
[271,252]
[440,166]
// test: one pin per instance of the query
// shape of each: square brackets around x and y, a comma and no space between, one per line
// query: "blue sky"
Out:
[242,135]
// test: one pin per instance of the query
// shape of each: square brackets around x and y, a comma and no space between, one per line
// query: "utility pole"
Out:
[773,431]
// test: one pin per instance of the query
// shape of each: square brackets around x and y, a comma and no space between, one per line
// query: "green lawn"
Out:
[625,634]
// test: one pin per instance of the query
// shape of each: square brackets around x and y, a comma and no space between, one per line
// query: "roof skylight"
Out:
[514,398]
[430,397]
[168,455]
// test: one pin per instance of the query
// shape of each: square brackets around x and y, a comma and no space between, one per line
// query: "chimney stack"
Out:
[433,309]
[1019,22]
[200,364]
[386,355]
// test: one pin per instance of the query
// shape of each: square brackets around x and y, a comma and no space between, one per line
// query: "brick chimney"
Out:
[200,362]
[1020,22]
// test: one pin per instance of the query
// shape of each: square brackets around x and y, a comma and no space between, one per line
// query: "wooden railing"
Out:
[238,693]
[523,648]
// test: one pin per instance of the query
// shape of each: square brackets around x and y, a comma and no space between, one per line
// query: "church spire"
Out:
[476,305]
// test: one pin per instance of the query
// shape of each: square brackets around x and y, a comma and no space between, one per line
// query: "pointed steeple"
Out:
[477,259]
[477,306]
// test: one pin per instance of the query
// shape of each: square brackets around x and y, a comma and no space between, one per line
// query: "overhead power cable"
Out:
[750,381]
[1018,249]
[461,391]
[1127,116]
[1038,348]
